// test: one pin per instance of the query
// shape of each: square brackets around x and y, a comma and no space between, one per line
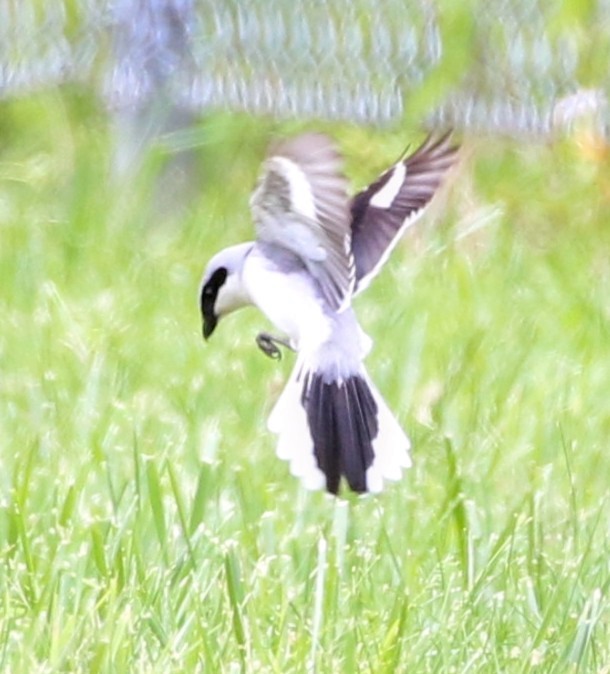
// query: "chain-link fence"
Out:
[518,67]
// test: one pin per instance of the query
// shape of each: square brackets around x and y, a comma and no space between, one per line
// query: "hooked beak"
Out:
[207,300]
[209,324]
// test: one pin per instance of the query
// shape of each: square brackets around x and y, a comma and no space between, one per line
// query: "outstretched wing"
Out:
[300,203]
[383,211]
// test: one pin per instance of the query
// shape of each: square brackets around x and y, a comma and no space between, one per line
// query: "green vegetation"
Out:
[145,522]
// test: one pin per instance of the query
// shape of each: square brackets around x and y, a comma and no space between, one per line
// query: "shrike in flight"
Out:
[316,249]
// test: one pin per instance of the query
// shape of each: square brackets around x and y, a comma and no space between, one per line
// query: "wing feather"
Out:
[382,212]
[301,204]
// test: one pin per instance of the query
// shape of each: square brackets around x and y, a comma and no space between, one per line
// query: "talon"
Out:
[267,344]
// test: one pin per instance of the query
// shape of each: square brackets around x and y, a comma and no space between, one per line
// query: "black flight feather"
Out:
[342,418]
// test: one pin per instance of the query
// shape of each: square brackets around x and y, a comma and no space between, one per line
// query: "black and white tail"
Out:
[332,428]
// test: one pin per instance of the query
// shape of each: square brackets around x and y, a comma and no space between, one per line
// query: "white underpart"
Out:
[386,195]
[288,301]
[231,295]
[301,195]
[366,343]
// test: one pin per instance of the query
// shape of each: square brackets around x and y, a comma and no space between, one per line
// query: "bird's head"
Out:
[222,290]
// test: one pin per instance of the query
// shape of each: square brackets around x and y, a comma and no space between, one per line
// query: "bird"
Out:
[316,249]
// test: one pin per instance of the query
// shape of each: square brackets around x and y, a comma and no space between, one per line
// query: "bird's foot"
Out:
[268,344]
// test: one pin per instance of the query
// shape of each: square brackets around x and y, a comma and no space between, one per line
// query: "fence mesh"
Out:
[519,66]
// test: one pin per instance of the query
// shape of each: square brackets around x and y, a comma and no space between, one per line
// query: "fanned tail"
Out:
[331,427]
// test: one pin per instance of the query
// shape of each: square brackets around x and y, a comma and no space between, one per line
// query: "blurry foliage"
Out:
[495,66]
[146,524]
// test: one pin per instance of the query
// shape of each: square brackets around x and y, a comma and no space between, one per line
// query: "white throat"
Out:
[232,295]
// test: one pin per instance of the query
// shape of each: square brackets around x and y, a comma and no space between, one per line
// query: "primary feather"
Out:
[385,209]
[301,204]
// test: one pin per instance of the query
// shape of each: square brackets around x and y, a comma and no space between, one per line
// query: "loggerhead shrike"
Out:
[316,249]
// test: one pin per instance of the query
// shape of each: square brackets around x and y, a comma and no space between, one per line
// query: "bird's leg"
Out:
[268,344]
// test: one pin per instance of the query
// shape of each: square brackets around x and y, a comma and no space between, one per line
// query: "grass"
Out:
[145,523]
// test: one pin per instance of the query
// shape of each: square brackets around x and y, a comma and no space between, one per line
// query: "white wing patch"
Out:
[301,204]
[383,211]
[389,192]
[301,196]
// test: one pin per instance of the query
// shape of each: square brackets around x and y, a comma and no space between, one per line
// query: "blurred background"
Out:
[160,86]
[497,66]
[154,68]
[145,522]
